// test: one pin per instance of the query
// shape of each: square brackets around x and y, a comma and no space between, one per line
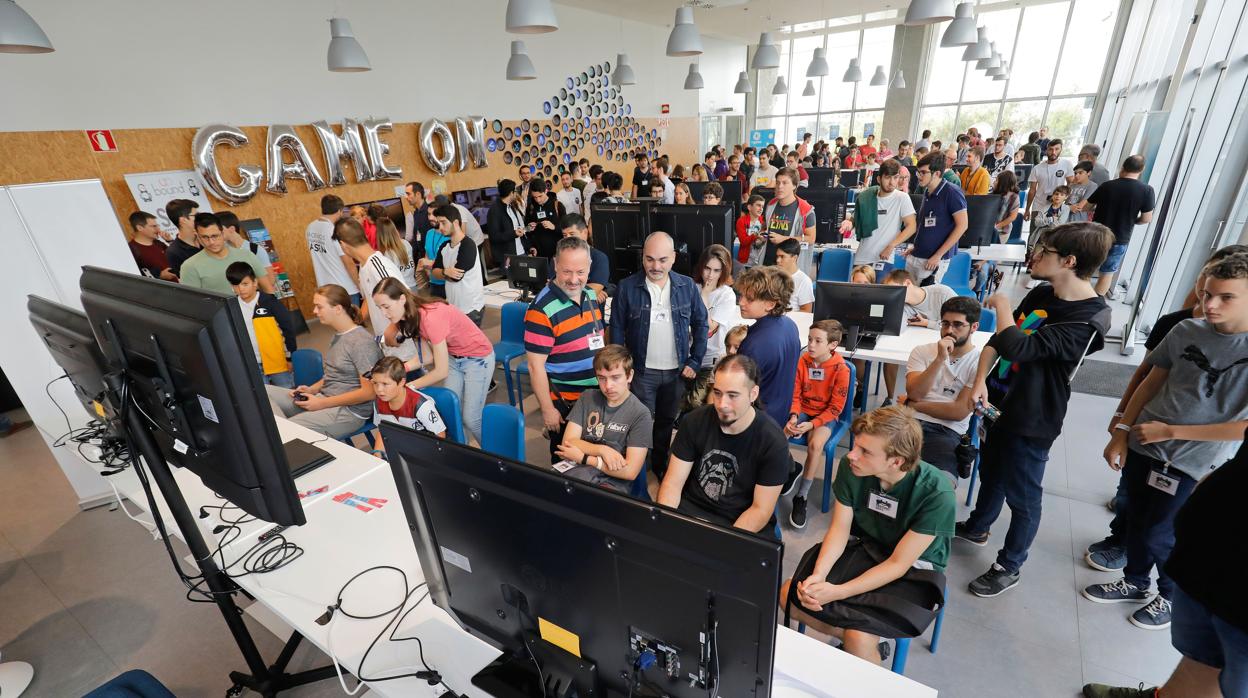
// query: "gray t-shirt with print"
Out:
[1207,384]
[627,425]
[1078,194]
[351,355]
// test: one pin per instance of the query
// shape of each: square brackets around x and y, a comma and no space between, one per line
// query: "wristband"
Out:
[1122,427]
[584,459]
[1117,415]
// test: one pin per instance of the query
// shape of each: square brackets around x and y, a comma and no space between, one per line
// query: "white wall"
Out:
[719,64]
[138,64]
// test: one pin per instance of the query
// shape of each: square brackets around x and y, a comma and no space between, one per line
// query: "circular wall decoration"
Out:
[548,171]
[606,67]
[570,83]
[556,119]
[524,125]
[563,93]
[515,146]
[526,158]
[490,145]
[507,159]
[546,130]
[507,133]
[498,126]
[546,107]
[527,139]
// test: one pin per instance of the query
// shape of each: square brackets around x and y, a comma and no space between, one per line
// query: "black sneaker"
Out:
[1107,559]
[888,401]
[1100,690]
[794,476]
[493,385]
[797,517]
[860,398]
[961,531]
[1154,616]
[1118,591]
[993,582]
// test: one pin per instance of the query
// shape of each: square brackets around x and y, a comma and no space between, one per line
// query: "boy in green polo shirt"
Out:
[902,511]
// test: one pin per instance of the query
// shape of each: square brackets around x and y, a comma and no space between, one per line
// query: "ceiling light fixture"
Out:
[531,17]
[684,39]
[345,54]
[19,32]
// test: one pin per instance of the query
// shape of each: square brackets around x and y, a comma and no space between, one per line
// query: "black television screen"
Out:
[523,557]
[191,371]
[67,334]
[830,205]
[871,309]
[982,213]
[620,230]
[821,177]
[694,228]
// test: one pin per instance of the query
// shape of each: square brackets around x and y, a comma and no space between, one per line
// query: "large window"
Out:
[1057,53]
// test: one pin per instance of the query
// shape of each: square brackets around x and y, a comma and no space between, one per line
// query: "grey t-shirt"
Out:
[1078,194]
[1194,353]
[628,424]
[937,294]
[350,355]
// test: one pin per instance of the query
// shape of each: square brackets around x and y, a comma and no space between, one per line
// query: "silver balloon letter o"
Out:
[429,129]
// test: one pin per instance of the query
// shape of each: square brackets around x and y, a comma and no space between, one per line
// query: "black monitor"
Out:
[982,213]
[821,177]
[190,370]
[694,227]
[393,208]
[830,205]
[66,333]
[732,190]
[768,193]
[863,309]
[620,230]
[851,179]
[527,274]
[523,557]
[916,200]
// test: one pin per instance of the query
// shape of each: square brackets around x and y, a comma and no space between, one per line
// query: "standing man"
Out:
[329,262]
[568,195]
[594,184]
[881,213]
[803,148]
[736,173]
[542,219]
[660,316]
[641,176]
[787,215]
[792,162]
[458,263]
[974,179]
[418,218]
[148,254]
[563,330]
[749,160]
[1043,139]
[658,172]
[963,147]
[1121,204]
[1089,153]
[1040,345]
[925,140]
[729,460]
[1053,172]
[206,268]
[374,266]
[1029,154]
[942,221]
[523,190]
[181,214]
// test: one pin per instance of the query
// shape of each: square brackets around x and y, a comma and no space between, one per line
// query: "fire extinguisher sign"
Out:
[102,141]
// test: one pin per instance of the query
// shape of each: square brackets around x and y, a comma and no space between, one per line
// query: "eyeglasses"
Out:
[945,325]
[922,173]
[1041,251]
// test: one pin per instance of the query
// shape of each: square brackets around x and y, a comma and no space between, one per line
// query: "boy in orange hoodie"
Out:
[818,398]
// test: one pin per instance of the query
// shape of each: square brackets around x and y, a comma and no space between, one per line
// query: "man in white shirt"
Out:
[803,298]
[329,262]
[374,266]
[892,211]
[458,263]
[923,306]
[659,170]
[568,194]
[764,175]
[939,380]
[1050,173]
[594,184]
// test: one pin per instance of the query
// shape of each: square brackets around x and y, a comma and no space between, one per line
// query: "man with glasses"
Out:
[185,244]
[206,269]
[941,222]
[939,378]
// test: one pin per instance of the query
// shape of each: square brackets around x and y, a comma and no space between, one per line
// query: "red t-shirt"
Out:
[150,258]
[443,322]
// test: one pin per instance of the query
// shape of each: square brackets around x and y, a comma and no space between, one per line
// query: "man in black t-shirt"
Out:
[729,461]
[541,219]
[181,214]
[642,176]
[1121,204]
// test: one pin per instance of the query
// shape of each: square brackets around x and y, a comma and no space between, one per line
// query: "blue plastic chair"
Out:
[135,683]
[307,366]
[958,274]
[987,320]
[1016,229]
[502,431]
[447,403]
[839,427]
[521,369]
[973,428]
[511,344]
[366,429]
[835,265]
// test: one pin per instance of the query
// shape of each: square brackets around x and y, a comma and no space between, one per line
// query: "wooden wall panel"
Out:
[49,156]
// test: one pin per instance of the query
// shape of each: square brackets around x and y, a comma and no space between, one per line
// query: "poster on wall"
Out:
[761,137]
[868,129]
[834,132]
[152,190]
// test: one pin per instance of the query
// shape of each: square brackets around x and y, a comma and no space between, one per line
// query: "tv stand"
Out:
[517,675]
[856,339]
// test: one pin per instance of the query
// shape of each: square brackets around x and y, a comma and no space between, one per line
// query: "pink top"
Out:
[443,322]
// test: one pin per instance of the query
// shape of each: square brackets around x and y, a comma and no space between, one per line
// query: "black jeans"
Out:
[940,446]
[565,408]
[1150,521]
[661,393]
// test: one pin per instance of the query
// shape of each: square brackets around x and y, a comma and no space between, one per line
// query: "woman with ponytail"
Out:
[339,403]
[462,355]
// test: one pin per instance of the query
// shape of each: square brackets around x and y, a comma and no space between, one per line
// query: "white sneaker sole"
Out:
[1143,626]
[977,543]
[1087,557]
[989,596]
[1143,602]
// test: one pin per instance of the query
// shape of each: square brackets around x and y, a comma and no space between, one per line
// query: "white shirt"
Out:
[407,272]
[467,294]
[803,291]
[517,223]
[372,271]
[249,311]
[669,191]
[764,176]
[949,383]
[1046,177]
[721,308]
[571,200]
[587,195]
[661,344]
[472,226]
[327,255]
[891,209]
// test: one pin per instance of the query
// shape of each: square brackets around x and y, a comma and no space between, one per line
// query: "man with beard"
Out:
[729,461]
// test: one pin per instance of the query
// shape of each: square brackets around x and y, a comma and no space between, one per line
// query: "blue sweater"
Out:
[774,345]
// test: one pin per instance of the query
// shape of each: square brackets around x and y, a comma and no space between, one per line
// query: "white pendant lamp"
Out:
[743,86]
[993,72]
[693,81]
[979,49]
[531,17]
[854,72]
[961,31]
[623,74]
[766,55]
[781,87]
[879,79]
[993,60]
[684,39]
[345,53]
[819,64]
[923,12]
[899,81]
[19,32]
[520,66]
[810,89]
[1002,73]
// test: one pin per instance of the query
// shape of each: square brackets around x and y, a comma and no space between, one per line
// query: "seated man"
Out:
[608,434]
[729,461]
[902,510]
[923,304]
[939,379]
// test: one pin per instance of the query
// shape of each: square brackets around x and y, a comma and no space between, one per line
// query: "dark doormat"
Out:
[1104,378]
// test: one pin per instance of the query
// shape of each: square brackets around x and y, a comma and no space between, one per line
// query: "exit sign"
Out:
[102,141]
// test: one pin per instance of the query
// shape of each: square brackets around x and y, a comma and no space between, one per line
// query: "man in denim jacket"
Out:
[660,317]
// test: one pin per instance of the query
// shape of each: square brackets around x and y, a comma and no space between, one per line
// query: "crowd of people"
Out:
[700,384]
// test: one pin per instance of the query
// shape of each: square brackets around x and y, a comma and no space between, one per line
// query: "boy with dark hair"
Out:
[181,213]
[542,218]
[329,263]
[819,391]
[787,254]
[641,175]
[458,264]
[398,404]
[150,256]
[269,325]
[1057,325]
[713,193]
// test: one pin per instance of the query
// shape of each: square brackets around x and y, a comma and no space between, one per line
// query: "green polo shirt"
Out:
[204,271]
[923,502]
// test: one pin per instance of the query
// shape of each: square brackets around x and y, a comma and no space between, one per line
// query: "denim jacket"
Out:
[630,319]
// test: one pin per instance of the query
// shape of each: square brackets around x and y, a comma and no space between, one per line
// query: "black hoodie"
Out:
[1030,383]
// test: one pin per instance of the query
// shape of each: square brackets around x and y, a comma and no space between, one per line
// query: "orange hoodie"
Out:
[821,395]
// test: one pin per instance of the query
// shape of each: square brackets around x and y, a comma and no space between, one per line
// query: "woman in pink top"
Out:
[462,355]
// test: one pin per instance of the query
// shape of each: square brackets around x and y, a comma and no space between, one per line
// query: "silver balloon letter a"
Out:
[337,148]
[471,141]
[206,139]
[429,129]
[377,150]
[283,137]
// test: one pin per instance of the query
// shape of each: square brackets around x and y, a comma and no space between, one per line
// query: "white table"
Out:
[499,294]
[999,252]
[339,541]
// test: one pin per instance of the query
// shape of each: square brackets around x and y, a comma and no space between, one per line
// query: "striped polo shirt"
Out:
[560,329]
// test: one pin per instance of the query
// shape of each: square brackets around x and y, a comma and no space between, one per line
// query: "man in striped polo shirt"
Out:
[563,329]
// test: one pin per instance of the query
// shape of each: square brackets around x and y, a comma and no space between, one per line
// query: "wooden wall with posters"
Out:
[50,156]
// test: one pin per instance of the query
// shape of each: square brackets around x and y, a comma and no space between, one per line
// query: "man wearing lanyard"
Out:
[526,176]
[418,222]
[942,220]
[788,216]
[563,329]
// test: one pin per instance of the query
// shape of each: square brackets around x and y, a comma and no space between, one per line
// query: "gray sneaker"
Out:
[1107,560]
[994,582]
[1154,616]
[1120,591]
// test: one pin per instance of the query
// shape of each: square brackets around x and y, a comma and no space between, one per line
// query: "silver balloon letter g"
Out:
[206,139]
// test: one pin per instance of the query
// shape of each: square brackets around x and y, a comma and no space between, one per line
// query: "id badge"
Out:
[882,504]
[1161,481]
[596,341]
[541,215]
[930,221]
[814,374]
[878,266]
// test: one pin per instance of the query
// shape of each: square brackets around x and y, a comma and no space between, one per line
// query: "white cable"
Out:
[151,528]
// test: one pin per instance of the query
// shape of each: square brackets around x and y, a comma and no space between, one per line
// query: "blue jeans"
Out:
[285,379]
[661,393]
[1150,521]
[1113,260]
[469,378]
[1198,634]
[1011,471]
[356,299]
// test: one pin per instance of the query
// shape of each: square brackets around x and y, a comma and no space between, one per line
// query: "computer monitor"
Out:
[821,177]
[620,231]
[982,213]
[830,205]
[191,372]
[850,179]
[547,568]
[694,227]
[732,190]
[864,310]
[66,333]
[527,274]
